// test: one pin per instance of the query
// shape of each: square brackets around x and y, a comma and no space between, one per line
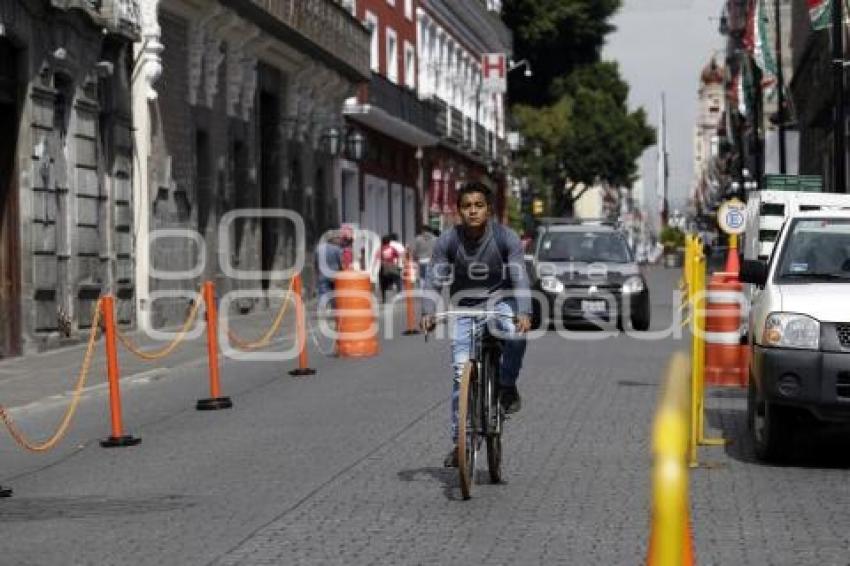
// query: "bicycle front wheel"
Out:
[494,416]
[467,434]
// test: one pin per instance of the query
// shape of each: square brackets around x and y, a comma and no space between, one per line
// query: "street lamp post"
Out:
[838,125]
[780,85]
[345,141]
[522,63]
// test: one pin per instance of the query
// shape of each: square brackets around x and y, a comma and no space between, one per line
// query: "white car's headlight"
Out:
[789,330]
[633,285]
[551,285]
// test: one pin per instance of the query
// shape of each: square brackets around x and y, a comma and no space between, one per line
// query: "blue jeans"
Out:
[513,350]
[324,286]
[424,272]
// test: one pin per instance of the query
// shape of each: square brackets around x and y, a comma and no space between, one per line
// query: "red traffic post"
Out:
[303,368]
[408,275]
[216,401]
[118,438]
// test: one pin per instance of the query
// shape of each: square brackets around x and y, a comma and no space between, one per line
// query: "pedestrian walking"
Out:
[328,264]
[347,244]
[421,250]
[390,270]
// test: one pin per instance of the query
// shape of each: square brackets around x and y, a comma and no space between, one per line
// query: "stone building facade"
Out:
[66,167]
[711,105]
[452,38]
[233,102]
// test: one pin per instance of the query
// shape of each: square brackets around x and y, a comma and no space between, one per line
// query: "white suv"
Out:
[799,329]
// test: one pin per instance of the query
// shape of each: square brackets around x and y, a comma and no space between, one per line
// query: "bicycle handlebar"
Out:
[445,315]
[470,312]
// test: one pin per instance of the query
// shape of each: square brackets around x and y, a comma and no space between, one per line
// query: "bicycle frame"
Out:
[481,342]
[480,413]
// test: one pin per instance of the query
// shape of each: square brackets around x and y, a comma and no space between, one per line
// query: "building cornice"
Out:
[352,64]
[121,17]
[471,25]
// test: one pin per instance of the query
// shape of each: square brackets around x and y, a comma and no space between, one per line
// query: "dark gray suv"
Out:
[587,272]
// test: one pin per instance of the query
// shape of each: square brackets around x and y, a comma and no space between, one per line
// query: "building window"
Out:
[408,9]
[392,55]
[372,25]
[409,65]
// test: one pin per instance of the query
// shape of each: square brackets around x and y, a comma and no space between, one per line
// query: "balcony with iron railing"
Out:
[402,103]
[464,133]
[116,16]
[456,121]
[322,24]
[480,139]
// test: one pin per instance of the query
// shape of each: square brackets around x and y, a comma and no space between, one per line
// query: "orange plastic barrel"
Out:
[725,357]
[357,326]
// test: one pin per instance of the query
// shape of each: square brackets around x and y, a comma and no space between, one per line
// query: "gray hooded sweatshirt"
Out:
[479,268]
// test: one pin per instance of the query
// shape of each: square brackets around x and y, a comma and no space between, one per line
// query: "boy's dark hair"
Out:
[475,187]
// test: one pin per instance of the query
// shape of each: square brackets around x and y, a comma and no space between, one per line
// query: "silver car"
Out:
[588,272]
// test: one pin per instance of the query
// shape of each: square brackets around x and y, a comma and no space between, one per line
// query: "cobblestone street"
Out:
[345,468]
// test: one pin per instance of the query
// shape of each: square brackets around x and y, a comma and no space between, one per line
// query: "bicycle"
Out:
[480,414]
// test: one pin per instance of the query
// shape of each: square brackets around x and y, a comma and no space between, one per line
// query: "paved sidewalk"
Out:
[30,378]
[750,514]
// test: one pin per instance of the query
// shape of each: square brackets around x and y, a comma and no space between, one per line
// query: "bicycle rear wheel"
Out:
[494,415]
[467,434]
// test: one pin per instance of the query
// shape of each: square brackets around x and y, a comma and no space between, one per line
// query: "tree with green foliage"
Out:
[556,37]
[587,137]
[514,210]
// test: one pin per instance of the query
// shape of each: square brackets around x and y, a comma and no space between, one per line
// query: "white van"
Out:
[768,210]
[799,328]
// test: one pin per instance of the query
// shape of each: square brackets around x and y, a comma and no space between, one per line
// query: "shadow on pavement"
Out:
[813,445]
[445,476]
[46,508]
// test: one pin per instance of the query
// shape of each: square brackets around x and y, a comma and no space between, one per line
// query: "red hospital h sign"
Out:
[494,73]
[494,62]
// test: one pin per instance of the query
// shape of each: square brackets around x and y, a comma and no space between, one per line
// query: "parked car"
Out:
[799,329]
[587,271]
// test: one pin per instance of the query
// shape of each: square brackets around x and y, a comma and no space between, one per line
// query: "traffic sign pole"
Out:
[732,219]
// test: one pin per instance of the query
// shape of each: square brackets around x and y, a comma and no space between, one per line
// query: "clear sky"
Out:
[662,45]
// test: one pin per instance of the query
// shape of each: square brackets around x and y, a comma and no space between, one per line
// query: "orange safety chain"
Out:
[266,338]
[159,354]
[51,442]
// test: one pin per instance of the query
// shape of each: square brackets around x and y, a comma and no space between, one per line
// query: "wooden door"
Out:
[10,285]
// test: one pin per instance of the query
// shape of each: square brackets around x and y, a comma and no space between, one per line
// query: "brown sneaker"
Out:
[451,459]
[510,400]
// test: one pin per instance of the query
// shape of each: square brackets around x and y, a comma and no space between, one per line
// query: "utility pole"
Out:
[839,156]
[780,85]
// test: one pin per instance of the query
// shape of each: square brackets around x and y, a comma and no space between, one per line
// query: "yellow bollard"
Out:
[670,536]
[698,306]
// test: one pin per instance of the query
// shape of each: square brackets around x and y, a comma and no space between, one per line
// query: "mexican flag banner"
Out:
[820,13]
[761,49]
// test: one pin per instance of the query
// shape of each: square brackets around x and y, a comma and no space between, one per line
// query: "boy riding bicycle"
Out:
[480,259]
